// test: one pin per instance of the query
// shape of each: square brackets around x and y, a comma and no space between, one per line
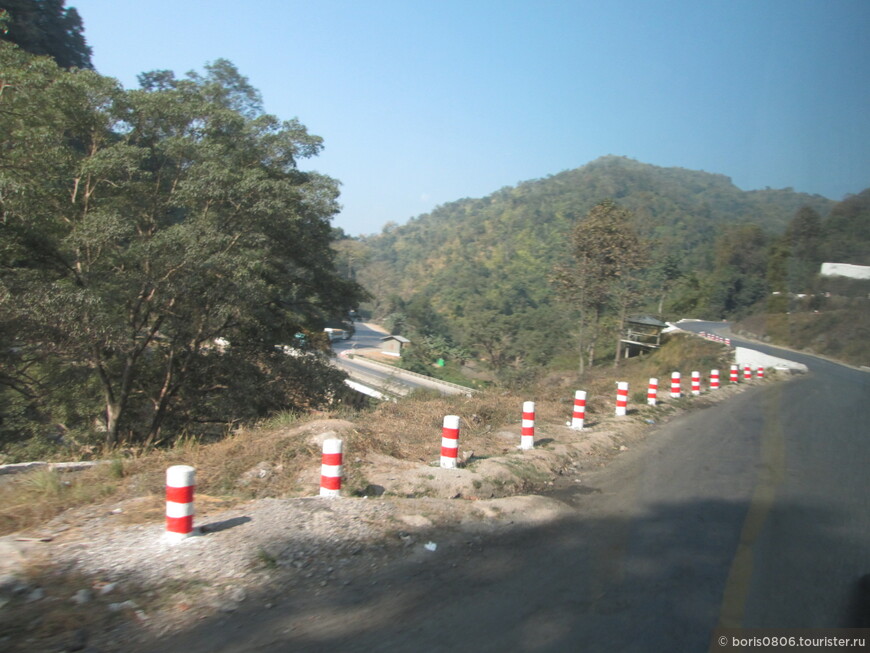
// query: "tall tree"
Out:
[46,27]
[666,273]
[846,232]
[739,278]
[607,252]
[140,226]
[803,238]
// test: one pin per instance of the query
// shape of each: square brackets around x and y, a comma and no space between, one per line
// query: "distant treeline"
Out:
[475,278]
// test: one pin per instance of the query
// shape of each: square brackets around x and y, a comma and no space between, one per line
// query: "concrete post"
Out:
[450,441]
[180,484]
[579,415]
[330,468]
[527,439]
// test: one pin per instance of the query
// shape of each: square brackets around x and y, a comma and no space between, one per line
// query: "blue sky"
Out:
[425,102]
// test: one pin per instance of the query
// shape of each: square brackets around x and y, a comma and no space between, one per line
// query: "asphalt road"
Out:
[806,536]
[753,512]
[395,380]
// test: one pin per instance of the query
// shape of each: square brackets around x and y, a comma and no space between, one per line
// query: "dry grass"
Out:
[40,495]
[32,498]
[281,458]
[405,429]
[843,334]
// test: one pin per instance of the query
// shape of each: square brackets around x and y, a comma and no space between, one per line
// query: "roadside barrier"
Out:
[747,372]
[760,372]
[621,398]
[180,483]
[734,374]
[675,385]
[527,439]
[714,379]
[715,338]
[652,391]
[579,415]
[696,383]
[368,362]
[450,441]
[330,468]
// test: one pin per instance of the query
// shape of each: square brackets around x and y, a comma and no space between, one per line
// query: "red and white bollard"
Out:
[180,483]
[696,383]
[621,398]
[675,385]
[714,379]
[734,374]
[760,372]
[450,441]
[527,439]
[652,391]
[747,372]
[579,414]
[330,468]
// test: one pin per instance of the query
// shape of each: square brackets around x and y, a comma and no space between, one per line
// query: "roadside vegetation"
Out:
[167,268]
[280,456]
[503,280]
[165,262]
[839,333]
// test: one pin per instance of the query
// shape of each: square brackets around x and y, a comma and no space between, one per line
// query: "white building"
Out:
[845,270]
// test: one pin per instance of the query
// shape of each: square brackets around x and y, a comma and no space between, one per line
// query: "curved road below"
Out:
[753,512]
[394,380]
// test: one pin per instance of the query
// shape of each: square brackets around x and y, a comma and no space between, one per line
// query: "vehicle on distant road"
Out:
[338,334]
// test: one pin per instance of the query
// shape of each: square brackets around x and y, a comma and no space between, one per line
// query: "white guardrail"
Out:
[398,372]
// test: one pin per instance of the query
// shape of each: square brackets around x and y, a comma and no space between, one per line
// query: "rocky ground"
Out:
[90,580]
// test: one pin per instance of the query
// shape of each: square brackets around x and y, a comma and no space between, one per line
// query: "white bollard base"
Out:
[448,463]
[330,494]
[177,538]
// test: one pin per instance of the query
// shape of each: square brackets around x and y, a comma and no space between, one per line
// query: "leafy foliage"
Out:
[608,252]
[846,232]
[484,266]
[140,226]
[46,27]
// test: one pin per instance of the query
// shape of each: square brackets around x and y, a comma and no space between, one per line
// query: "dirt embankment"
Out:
[100,577]
[842,334]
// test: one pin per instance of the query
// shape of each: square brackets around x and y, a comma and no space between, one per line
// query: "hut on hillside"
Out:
[641,334]
[393,345]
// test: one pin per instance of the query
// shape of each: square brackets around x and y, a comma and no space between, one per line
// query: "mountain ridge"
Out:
[480,268]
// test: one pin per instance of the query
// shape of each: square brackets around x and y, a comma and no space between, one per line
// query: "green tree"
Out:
[777,276]
[491,333]
[739,278]
[46,27]
[665,275]
[351,253]
[607,254]
[139,226]
[803,238]
[846,231]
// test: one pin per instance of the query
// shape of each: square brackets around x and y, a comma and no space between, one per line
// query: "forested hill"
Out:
[531,222]
[475,263]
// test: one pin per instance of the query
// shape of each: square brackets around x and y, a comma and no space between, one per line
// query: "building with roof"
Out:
[394,345]
[641,334]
